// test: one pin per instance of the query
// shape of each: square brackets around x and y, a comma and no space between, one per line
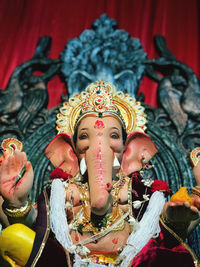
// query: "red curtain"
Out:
[23,22]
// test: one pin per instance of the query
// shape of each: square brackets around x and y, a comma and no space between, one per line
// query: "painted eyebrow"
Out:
[114,128]
[82,129]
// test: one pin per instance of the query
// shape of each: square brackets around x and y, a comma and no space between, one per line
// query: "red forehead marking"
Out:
[99,125]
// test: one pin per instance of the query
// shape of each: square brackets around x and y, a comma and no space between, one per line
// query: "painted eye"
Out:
[114,136]
[83,136]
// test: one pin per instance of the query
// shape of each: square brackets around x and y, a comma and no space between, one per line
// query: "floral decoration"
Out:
[159,185]
[59,173]
[137,203]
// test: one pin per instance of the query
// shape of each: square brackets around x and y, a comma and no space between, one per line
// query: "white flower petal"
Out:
[85,262]
[66,184]
[72,249]
[68,205]
[133,222]
[147,182]
[137,204]
[146,197]
[82,250]
[73,226]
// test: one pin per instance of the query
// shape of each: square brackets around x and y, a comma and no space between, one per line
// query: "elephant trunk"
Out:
[99,163]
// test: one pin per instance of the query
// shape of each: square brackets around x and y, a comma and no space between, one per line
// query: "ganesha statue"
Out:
[98,209]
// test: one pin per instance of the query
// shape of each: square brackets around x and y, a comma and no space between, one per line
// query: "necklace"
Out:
[85,221]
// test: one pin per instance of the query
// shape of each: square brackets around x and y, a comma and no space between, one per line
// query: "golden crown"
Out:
[101,99]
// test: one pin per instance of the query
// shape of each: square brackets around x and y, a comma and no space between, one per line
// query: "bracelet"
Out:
[17,213]
[196,191]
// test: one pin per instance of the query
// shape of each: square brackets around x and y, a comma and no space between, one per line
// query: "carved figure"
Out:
[101,209]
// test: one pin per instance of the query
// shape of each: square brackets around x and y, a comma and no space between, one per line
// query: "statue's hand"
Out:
[177,212]
[16,178]
[180,215]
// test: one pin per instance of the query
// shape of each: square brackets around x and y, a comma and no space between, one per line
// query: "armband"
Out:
[18,212]
[196,190]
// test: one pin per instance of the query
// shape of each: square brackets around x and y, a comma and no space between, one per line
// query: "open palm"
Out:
[13,188]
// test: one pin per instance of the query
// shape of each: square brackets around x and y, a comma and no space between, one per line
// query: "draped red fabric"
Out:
[23,22]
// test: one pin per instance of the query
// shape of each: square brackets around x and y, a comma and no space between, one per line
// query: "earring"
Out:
[146,172]
[83,166]
[145,165]
[116,164]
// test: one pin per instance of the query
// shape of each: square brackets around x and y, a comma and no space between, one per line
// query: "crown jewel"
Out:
[101,99]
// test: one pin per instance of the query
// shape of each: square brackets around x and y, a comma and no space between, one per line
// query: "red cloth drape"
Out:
[23,22]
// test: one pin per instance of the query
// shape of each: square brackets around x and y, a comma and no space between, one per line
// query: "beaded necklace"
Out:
[86,222]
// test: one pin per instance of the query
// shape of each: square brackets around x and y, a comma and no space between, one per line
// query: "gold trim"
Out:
[12,144]
[130,201]
[46,235]
[130,197]
[68,258]
[194,257]
[195,191]
[18,212]
[106,258]
[195,156]
[105,101]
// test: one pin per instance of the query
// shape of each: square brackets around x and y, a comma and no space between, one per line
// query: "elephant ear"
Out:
[61,153]
[137,145]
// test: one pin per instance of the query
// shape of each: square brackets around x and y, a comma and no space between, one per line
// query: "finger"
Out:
[194,209]
[5,167]
[191,212]
[20,158]
[1,160]
[194,214]
[186,204]
[11,165]
[27,169]
[28,166]
[6,153]
[196,202]
[23,169]
[24,158]
[25,183]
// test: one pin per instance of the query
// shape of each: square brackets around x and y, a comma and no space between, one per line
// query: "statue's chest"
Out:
[86,222]
[102,233]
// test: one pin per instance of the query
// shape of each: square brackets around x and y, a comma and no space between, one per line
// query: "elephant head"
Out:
[100,142]
[93,128]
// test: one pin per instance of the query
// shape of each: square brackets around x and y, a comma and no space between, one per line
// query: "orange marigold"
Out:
[181,195]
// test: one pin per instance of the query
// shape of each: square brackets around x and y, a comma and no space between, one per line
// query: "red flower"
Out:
[159,185]
[59,173]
